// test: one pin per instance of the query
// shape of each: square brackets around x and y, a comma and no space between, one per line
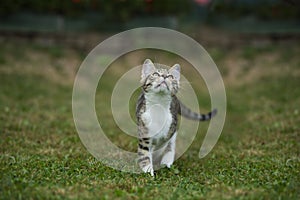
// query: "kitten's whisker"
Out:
[183,86]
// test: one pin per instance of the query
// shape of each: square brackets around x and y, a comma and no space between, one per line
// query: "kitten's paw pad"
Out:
[148,169]
[168,159]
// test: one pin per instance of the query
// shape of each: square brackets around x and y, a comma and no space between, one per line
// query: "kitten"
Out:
[156,111]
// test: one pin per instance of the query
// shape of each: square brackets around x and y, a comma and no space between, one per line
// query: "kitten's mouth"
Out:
[161,84]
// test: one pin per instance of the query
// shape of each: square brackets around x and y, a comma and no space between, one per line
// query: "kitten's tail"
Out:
[187,113]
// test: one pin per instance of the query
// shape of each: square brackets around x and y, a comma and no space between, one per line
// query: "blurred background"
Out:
[255,44]
[33,18]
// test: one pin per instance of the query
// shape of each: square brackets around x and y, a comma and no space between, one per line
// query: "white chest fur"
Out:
[157,117]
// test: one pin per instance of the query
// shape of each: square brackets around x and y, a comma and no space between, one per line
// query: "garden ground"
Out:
[256,157]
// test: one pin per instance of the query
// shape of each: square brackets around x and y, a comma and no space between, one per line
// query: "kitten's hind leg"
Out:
[169,153]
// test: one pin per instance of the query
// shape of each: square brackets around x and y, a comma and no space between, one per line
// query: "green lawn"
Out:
[257,156]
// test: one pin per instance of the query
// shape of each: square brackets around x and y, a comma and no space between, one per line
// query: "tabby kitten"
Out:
[156,111]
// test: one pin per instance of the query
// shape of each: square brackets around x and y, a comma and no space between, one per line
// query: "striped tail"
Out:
[187,113]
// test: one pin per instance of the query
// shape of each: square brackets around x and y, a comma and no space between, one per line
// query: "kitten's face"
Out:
[160,80]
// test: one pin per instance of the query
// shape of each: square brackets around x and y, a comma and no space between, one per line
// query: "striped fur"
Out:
[187,113]
[157,137]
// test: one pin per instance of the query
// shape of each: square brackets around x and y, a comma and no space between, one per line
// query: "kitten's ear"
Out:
[148,68]
[175,71]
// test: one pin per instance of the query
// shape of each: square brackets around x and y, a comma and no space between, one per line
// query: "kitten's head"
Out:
[158,80]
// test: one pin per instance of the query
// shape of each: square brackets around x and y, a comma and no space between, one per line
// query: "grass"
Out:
[257,156]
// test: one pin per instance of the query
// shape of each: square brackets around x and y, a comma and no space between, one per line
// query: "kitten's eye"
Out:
[155,74]
[170,76]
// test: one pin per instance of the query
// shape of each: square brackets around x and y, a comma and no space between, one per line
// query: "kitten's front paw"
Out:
[167,159]
[146,118]
[149,169]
